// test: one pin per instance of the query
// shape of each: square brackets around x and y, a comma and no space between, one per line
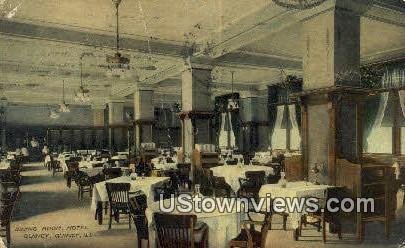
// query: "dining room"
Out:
[215,123]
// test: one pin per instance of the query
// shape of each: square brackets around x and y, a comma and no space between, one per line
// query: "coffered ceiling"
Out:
[41,42]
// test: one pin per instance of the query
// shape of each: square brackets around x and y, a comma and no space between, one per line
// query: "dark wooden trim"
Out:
[304,138]
[194,114]
[145,122]
[332,110]
[360,128]
[396,129]
[120,125]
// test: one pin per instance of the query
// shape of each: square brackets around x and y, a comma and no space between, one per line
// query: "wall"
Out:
[39,116]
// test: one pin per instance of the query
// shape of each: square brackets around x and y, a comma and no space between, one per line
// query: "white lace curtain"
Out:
[226,133]
[279,137]
[380,137]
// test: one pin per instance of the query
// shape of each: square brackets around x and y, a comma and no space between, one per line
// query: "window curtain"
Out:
[226,120]
[278,138]
[295,142]
[236,123]
[379,138]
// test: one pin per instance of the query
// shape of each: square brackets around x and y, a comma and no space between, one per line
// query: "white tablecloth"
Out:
[222,226]
[292,190]
[4,165]
[232,173]
[90,164]
[165,166]
[146,185]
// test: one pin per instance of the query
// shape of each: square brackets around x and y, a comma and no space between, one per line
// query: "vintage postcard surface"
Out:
[202,123]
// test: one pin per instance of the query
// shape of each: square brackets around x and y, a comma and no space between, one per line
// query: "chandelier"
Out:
[117,64]
[298,4]
[63,107]
[232,102]
[53,114]
[82,95]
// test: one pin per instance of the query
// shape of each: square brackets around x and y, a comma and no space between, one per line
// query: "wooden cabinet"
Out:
[294,170]
[369,180]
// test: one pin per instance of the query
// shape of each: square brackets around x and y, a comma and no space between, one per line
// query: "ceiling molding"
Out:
[56,34]
[388,55]
[387,13]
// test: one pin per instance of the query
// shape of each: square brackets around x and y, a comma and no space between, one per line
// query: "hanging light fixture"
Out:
[82,95]
[117,64]
[53,114]
[63,107]
[232,101]
[149,62]
[4,103]
[298,4]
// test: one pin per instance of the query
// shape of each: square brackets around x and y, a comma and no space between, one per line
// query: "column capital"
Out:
[144,87]
[190,65]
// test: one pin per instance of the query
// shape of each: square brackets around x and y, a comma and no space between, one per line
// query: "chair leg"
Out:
[79,193]
[285,222]
[340,231]
[323,230]
[105,207]
[301,223]
[110,221]
[129,220]
[270,219]
[8,235]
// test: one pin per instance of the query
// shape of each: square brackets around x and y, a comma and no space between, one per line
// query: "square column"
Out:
[255,125]
[116,125]
[330,107]
[196,112]
[98,115]
[144,116]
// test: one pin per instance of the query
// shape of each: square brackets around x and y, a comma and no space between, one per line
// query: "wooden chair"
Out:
[402,183]
[70,174]
[118,195]
[250,186]
[184,175]
[181,231]
[111,173]
[56,167]
[7,207]
[137,206]
[220,187]
[249,237]
[84,184]
[323,217]
[164,189]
